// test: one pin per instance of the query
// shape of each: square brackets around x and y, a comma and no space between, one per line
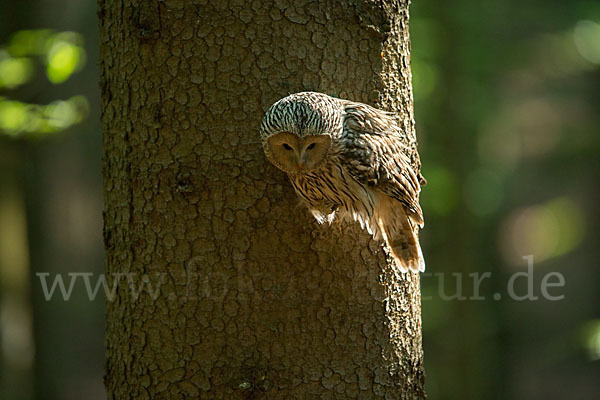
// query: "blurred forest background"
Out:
[507,95]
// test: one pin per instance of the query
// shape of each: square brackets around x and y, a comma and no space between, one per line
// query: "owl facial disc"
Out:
[297,155]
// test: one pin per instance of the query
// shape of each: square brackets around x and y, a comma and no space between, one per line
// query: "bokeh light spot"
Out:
[587,40]
[13,116]
[545,231]
[29,42]
[14,71]
[64,57]
[591,338]
[17,117]
[500,145]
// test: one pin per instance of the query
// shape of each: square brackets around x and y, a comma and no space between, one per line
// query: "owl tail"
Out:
[400,232]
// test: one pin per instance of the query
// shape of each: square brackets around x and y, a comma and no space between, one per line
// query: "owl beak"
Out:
[301,160]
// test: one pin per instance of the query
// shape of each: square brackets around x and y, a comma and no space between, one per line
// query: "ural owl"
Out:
[349,160]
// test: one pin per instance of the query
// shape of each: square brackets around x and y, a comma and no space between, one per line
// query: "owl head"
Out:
[298,131]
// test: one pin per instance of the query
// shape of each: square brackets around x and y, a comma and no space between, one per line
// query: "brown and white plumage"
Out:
[349,160]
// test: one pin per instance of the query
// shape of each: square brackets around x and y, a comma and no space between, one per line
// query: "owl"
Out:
[349,161]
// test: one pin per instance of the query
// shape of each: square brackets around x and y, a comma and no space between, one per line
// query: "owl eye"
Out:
[311,146]
[287,146]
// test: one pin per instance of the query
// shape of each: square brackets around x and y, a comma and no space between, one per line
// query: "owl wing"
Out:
[375,155]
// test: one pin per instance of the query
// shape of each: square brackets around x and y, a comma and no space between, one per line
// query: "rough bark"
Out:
[256,300]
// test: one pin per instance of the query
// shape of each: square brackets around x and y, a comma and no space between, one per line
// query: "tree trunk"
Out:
[256,300]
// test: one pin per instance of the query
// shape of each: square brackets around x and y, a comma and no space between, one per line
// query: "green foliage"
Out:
[14,71]
[62,55]
[17,118]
